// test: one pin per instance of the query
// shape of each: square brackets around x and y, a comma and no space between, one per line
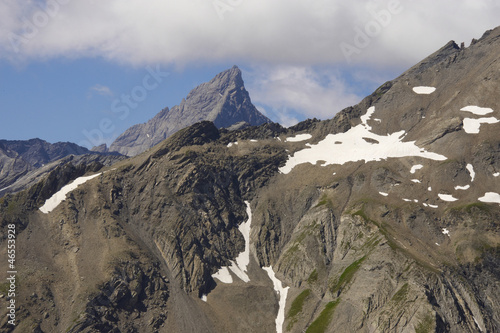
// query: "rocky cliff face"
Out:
[382,219]
[223,101]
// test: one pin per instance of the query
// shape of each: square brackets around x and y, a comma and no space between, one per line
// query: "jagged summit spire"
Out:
[229,77]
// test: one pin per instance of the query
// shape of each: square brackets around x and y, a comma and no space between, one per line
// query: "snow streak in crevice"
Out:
[282,293]
[239,266]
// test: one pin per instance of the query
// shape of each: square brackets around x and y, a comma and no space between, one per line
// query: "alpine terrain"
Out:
[385,218]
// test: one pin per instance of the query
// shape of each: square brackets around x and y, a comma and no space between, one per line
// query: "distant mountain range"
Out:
[25,162]
[17,158]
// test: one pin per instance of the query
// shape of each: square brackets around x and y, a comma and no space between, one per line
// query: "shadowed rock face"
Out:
[17,158]
[25,162]
[223,101]
[365,246]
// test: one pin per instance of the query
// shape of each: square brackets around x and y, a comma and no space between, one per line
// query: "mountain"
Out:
[223,101]
[24,163]
[382,219]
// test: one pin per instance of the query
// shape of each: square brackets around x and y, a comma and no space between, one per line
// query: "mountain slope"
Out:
[223,101]
[382,219]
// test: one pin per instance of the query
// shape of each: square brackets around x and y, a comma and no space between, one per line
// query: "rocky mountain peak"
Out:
[223,101]
[226,80]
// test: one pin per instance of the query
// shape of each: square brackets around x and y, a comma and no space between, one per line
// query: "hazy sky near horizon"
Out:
[67,65]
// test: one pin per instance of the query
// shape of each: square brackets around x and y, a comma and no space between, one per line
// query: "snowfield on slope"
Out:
[472,126]
[416,167]
[477,110]
[422,90]
[299,137]
[447,197]
[60,196]
[490,197]
[358,144]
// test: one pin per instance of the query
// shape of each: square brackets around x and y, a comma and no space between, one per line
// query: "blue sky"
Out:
[65,65]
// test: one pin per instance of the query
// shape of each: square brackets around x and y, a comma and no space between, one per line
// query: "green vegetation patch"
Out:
[347,276]
[320,325]
[324,201]
[296,308]
[426,325]
[371,243]
[4,287]
[362,214]
[401,294]
[475,206]
[313,277]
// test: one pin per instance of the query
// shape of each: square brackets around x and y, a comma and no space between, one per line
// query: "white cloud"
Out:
[297,32]
[282,116]
[100,90]
[301,89]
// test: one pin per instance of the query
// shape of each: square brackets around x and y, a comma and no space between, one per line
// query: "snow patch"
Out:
[239,266]
[433,206]
[477,324]
[463,188]
[229,145]
[490,197]
[298,138]
[204,298]
[416,167]
[470,168]
[383,193]
[429,189]
[364,118]
[447,197]
[471,126]
[253,140]
[494,175]
[282,293]
[446,232]
[11,185]
[54,201]
[223,275]
[352,146]
[407,200]
[416,181]
[422,90]
[477,110]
